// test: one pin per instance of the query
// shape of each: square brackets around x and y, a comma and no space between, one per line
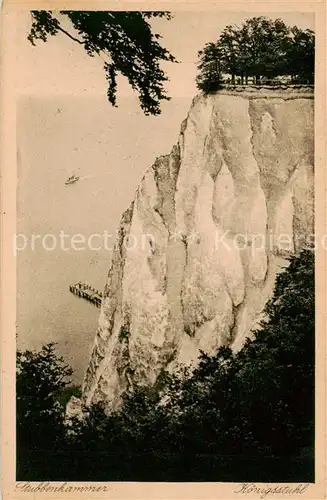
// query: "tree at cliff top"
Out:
[259,48]
[125,42]
[300,60]
[211,69]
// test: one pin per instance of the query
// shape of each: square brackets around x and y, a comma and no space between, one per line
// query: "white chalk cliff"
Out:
[200,245]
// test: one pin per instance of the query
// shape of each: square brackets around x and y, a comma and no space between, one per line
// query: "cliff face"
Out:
[200,245]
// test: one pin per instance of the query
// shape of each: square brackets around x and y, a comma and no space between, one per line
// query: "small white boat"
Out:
[72,179]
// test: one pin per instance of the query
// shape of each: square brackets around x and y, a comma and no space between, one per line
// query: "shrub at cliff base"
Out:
[237,417]
[40,379]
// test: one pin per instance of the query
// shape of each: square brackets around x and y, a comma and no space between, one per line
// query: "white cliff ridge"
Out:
[200,245]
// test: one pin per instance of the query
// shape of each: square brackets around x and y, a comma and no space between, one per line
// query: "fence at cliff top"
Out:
[87,292]
[267,81]
[267,86]
[284,91]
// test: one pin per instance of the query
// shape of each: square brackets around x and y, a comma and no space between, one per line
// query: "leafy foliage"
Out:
[66,393]
[210,77]
[243,417]
[259,48]
[123,39]
[41,377]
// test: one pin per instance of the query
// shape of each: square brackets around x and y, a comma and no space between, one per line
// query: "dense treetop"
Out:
[260,47]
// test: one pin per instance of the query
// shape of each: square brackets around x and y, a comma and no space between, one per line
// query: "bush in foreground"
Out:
[237,417]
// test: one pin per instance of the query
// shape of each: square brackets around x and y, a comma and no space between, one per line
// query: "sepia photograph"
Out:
[165,247]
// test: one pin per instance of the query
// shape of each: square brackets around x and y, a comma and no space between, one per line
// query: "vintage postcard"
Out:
[163,277]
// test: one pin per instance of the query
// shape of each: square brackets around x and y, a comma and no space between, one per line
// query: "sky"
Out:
[66,125]
[61,66]
[58,81]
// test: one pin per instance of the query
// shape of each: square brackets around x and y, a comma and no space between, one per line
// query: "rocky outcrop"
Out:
[199,247]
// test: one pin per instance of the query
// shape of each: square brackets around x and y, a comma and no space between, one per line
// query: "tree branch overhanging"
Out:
[70,36]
